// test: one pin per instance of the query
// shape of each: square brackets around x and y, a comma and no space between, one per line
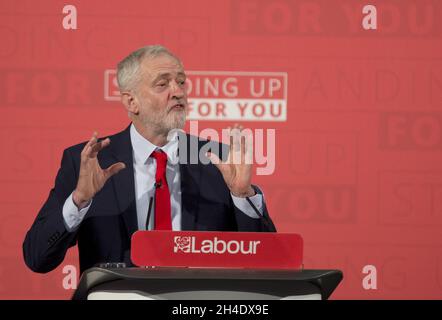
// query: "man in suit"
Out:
[106,189]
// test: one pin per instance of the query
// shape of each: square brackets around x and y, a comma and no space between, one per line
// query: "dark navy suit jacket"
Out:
[105,233]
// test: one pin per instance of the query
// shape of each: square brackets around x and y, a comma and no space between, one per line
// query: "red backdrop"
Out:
[358,151]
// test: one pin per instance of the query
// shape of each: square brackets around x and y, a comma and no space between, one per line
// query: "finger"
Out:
[243,146]
[226,135]
[239,126]
[94,139]
[99,146]
[214,158]
[249,149]
[235,130]
[236,134]
[91,141]
[238,155]
[114,169]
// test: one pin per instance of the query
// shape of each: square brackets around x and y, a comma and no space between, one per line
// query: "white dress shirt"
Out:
[144,174]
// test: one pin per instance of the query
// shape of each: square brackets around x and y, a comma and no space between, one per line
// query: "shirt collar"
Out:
[143,148]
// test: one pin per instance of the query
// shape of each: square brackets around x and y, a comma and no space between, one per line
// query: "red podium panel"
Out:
[255,250]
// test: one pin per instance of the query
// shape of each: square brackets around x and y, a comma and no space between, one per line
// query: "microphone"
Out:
[156,185]
[268,223]
[149,211]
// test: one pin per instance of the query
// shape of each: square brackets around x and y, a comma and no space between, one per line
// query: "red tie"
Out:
[163,220]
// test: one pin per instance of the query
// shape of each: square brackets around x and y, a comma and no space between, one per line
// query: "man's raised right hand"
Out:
[92,177]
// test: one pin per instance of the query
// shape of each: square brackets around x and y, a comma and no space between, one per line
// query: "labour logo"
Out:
[182,244]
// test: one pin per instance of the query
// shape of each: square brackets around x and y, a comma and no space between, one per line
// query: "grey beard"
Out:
[163,127]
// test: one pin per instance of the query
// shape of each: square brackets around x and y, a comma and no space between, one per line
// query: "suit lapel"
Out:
[190,185]
[124,185]
[190,195]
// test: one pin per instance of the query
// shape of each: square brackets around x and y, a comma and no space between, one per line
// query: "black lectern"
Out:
[205,283]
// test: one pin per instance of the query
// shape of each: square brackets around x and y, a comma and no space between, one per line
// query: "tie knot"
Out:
[160,157]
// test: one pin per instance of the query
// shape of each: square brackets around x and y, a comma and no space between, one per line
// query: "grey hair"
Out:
[128,69]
